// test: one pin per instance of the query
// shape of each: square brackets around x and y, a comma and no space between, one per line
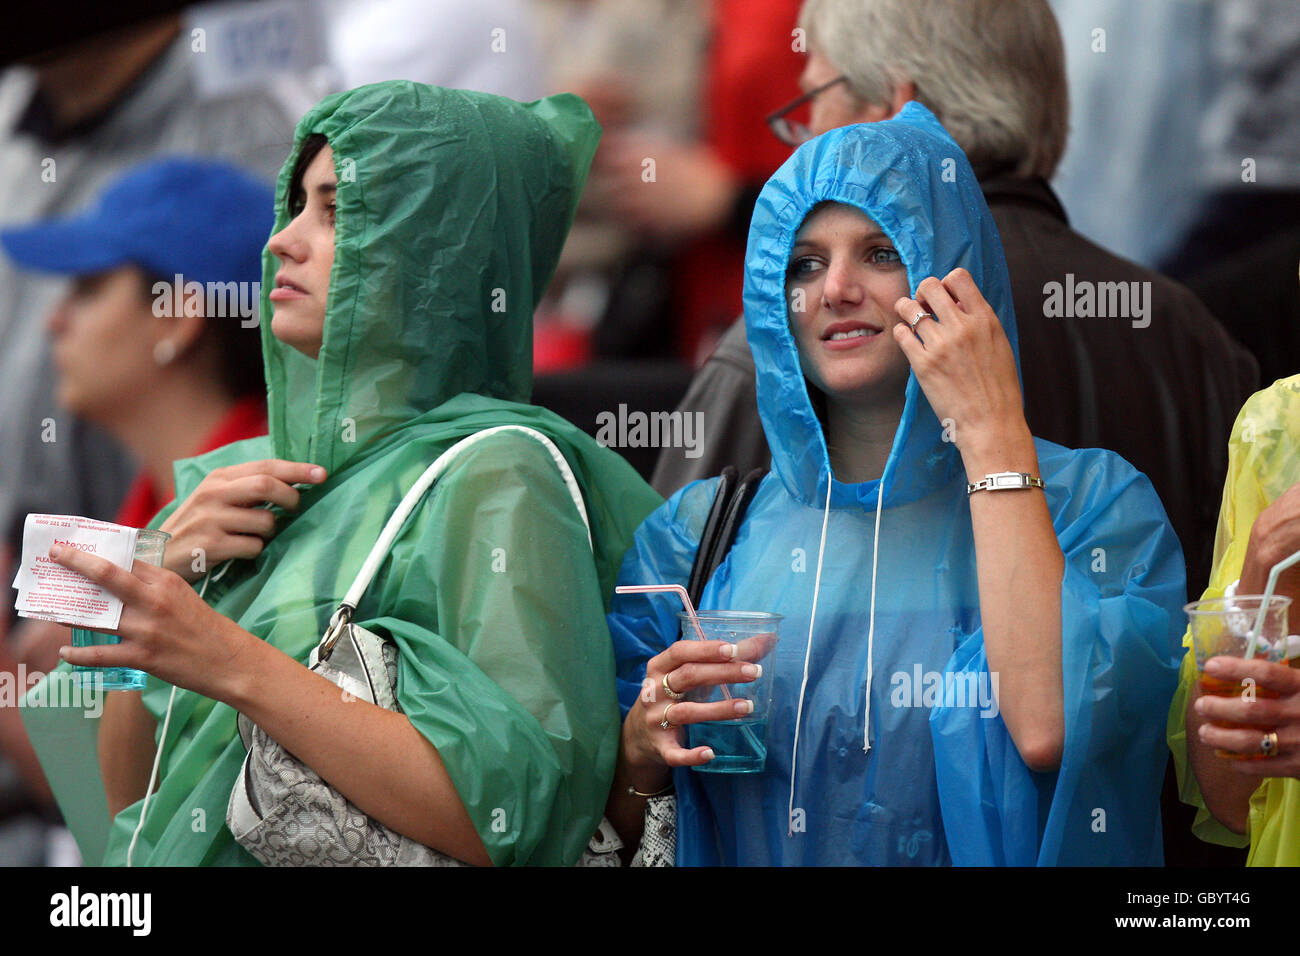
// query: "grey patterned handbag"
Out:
[659,837]
[280,810]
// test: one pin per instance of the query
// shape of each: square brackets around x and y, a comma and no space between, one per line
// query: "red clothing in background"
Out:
[753,70]
[247,419]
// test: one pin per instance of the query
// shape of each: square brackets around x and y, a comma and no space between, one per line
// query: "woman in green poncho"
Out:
[416,229]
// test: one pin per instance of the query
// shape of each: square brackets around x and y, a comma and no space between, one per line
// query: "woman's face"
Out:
[841,285]
[305,248]
[104,333]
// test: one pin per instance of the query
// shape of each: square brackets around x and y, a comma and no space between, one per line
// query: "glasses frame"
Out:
[790,132]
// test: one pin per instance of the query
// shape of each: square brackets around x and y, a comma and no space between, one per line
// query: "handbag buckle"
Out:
[340,619]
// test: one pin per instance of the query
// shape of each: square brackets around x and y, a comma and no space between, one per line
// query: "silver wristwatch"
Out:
[1004,481]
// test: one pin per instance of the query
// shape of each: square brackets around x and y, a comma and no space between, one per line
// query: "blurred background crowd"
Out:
[1182,156]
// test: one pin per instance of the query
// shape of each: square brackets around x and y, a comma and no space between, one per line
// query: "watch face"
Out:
[1008,481]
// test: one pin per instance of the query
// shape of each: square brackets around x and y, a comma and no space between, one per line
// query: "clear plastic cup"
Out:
[1221,627]
[739,745]
[149,546]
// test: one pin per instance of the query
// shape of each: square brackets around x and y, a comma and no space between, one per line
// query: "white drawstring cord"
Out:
[807,655]
[167,719]
[871,627]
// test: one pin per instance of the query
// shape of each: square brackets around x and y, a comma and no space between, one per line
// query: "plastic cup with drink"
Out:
[149,547]
[739,745]
[1249,626]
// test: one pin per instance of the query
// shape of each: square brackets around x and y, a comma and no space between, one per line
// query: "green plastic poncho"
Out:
[452,208]
[1263,462]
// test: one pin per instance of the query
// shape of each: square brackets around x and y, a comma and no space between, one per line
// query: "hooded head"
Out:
[451,211]
[909,177]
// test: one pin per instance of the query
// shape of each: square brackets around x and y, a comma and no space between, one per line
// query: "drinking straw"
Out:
[677,589]
[682,593]
[1268,596]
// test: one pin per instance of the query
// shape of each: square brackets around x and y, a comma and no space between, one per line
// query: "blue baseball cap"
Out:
[203,219]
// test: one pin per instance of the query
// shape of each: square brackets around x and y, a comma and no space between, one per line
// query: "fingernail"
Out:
[1200,705]
[63,652]
[318,474]
[728,651]
[744,706]
[708,753]
[752,670]
[1214,666]
[55,551]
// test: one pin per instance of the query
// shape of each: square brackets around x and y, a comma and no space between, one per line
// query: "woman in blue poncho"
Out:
[879,313]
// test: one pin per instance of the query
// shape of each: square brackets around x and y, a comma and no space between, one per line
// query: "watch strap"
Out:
[1004,481]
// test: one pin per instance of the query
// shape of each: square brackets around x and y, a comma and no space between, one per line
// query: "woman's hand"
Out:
[1274,536]
[964,364]
[1274,705]
[225,516]
[167,630]
[648,749]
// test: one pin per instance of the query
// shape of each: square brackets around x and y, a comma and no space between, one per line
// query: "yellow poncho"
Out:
[1263,462]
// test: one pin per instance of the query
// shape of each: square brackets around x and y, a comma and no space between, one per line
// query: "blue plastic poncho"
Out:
[942,780]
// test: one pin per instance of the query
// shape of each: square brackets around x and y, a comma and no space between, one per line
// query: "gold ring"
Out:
[664,723]
[669,691]
[1268,746]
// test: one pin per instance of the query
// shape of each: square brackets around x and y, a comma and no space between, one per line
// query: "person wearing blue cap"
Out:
[156,337]
[980,629]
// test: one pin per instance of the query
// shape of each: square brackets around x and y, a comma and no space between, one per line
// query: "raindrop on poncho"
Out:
[942,780]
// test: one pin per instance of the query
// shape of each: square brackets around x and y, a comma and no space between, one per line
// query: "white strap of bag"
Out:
[347,607]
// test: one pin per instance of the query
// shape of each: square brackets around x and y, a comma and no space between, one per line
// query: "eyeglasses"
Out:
[790,132]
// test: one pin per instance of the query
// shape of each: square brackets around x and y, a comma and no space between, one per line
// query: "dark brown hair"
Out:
[311,148]
[239,349]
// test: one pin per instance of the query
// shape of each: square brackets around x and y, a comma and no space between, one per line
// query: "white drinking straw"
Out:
[1268,596]
[682,593]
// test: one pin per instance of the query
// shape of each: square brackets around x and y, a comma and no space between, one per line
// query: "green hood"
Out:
[452,209]
[490,592]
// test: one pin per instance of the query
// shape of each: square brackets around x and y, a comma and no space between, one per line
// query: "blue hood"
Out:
[911,178]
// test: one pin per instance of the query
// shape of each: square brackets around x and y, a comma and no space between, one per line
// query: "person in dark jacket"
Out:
[1114,355]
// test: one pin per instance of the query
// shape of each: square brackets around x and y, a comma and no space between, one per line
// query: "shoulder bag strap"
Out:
[347,607]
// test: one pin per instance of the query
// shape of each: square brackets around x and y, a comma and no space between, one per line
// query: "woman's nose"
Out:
[843,284]
[286,245]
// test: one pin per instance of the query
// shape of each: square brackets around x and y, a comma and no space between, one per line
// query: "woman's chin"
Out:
[296,333]
[866,391]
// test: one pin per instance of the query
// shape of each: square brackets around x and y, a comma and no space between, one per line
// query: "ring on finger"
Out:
[1268,746]
[669,691]
[916,320]
[665,723]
